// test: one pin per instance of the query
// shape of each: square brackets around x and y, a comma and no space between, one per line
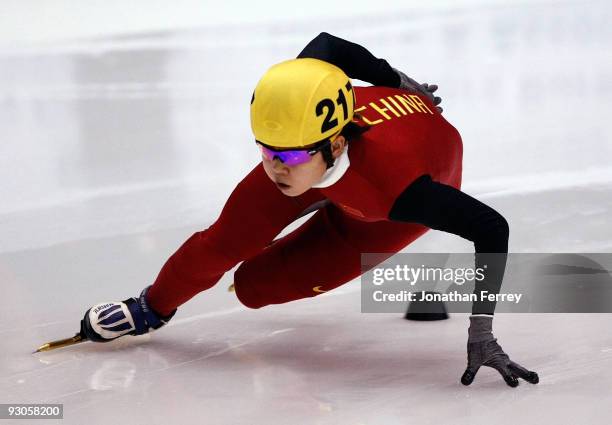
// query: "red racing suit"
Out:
[408,138]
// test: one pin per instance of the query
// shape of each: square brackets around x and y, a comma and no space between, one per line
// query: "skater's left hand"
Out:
[483,350]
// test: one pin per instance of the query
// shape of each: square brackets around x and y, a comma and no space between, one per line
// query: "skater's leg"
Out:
[254,214]
[324,253]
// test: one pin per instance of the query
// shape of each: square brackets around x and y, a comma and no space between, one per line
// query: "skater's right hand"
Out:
[425,89]
[107,321]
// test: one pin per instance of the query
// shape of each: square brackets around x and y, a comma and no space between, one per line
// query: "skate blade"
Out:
[61,343]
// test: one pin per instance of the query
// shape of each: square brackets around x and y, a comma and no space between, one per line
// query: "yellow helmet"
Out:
[300,102]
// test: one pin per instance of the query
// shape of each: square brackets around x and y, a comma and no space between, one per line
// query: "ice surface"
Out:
[116,150]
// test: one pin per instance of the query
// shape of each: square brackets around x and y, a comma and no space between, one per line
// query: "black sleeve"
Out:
[353,59]
[442,207]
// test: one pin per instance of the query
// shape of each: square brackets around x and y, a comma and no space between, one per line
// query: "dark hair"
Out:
[350,131]
[353,130]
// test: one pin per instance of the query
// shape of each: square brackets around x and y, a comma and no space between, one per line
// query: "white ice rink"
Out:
[114,150]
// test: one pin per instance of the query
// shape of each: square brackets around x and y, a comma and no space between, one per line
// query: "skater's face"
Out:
[297,179]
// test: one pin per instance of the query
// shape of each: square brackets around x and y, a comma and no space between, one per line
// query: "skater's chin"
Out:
[282,186]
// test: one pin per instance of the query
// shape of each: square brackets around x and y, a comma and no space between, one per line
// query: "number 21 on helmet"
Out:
[301,102]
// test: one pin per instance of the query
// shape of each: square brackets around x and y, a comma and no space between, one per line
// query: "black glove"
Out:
[425,89]
[483,350]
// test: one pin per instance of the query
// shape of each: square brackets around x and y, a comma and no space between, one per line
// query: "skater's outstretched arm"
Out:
[445,208]
[448,209]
